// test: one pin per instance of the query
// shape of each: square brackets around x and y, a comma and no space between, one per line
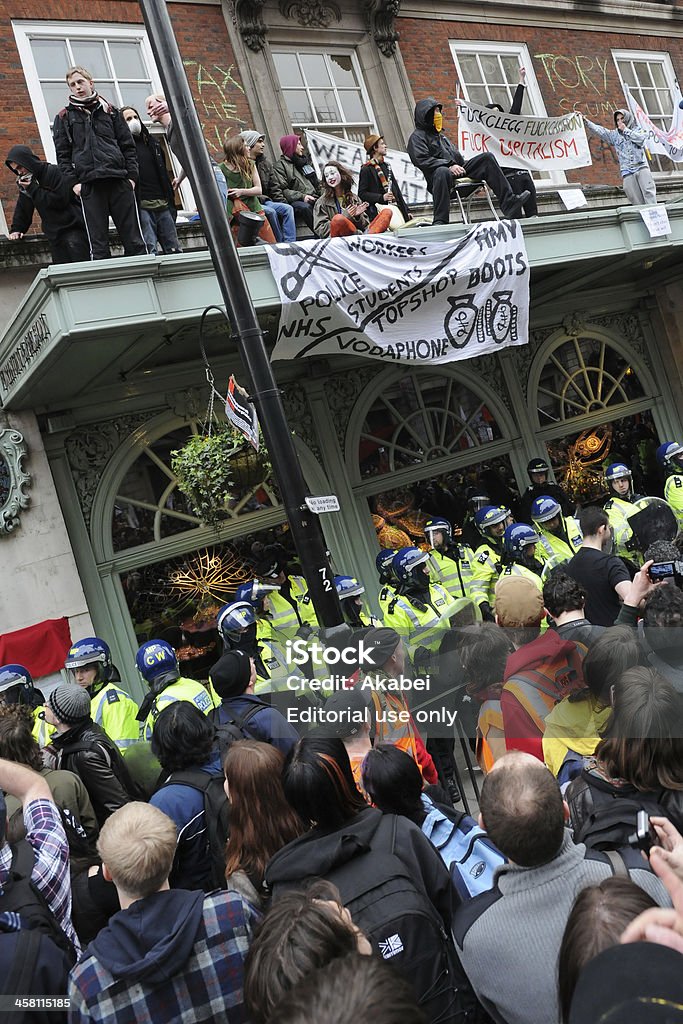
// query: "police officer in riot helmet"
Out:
[477,497]
[538,471]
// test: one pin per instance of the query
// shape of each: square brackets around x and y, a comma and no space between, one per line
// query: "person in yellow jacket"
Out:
[420,611]
[290,606]
[491,521]
[237,624]
[89,665]
[619,506]
[519,553]
[16,687]
[560,537]
[157,663]
[451,564]
[670,458]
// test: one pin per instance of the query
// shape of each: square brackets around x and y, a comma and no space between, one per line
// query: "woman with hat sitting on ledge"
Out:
[377,183]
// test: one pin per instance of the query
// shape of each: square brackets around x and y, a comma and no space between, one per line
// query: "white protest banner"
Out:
[656,219]
[352,155]
[668,143]
[529,143]
[241,413]
[402,300]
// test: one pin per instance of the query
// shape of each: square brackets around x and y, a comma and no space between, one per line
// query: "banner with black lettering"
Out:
[403,300]
[411,181]
[527,143]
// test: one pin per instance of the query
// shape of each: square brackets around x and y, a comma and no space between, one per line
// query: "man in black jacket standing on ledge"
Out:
[96,154]
[442,164]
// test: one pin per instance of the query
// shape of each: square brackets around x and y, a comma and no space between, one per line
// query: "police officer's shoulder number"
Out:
[271,662]
[608,505]
[483,558]
[678,481]
[113,696]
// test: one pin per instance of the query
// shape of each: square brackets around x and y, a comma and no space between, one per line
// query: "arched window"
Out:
[421,416]
[583,375]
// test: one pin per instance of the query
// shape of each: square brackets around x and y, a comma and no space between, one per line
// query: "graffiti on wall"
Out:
[572,80]
[217,110]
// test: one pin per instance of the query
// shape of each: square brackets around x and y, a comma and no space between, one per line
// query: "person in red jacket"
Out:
[542,670]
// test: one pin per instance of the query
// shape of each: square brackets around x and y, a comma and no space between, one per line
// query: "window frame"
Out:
[325,51]
[521,51]
[25,31]
[663,58]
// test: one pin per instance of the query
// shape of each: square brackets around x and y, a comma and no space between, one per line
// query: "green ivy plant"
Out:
[206,467]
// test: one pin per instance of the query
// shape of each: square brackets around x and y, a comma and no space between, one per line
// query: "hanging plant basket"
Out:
[211,470]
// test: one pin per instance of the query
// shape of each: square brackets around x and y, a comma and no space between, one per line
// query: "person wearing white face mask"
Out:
[154,193]
[339,211]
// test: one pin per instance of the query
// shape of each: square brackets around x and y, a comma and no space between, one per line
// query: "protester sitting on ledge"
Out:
[339,211]
[376,182]
[295,177]
[629,143]
[442,164]
[244,184]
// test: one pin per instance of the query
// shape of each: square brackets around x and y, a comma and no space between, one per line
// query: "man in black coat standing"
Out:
[377,183]
[96,154]
[442,164]
[42,187]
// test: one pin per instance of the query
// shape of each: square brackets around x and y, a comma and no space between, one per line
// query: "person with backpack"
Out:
[393,783]
[261,820]
[509,939]
[542,670]
[96,155]
[80,745]
[638,764]
[242,715]
[191,793]
[391,880]
[34,875]
[168,955]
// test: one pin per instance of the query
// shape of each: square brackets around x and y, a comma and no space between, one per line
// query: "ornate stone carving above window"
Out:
[311,13]
[381,15]
[248,17]
[13,479]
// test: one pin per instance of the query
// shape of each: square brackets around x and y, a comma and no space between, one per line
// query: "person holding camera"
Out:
[43,188]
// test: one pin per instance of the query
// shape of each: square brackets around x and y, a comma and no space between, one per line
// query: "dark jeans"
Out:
[113,196]
[521,181]
[158,226]
[479,168]
[305,211]
[70,247]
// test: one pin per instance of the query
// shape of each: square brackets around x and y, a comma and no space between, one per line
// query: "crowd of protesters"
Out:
[109,164]
[284,842]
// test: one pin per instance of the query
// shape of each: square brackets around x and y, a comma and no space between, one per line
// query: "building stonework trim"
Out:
[13,451]
[652,18]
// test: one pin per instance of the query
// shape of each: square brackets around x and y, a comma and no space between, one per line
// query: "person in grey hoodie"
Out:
[169,954]
[629,143]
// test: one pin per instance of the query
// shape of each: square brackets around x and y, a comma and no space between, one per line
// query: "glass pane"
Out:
[127,59]
[583,376]
[490,68]
[627,73]
[134,94]
[651,101]
[325,105]
[353,106]
[56,96]
[342,70]
[287,70]
[469,68]
[51,57]
[510,64]
[640,69]
[665,100]
[315,70]
[352,134]
[479,94]
[502,96]
[91,55]
[298,106]
[658,76]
